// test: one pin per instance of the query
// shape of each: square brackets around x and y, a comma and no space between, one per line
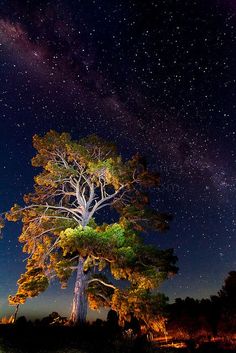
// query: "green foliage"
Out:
[63,271]
[30,284]
[146,306]
[126,255]
[87,240]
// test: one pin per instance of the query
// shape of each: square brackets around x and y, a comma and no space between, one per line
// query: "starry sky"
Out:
[158,77]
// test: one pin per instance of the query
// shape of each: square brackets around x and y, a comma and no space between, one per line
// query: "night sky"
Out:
[157,77]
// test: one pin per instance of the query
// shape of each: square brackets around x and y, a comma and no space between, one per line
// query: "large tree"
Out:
[63,231]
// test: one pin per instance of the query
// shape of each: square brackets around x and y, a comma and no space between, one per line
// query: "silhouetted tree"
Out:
[228,291]
[227,296]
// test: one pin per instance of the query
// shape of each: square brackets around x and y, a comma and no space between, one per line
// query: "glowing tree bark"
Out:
[80,301]
[78,179]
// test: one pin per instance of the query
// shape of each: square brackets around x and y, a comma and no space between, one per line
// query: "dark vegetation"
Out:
[206,318]
[101,336]
[50,335]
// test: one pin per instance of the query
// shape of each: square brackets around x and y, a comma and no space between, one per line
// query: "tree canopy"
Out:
[62,223]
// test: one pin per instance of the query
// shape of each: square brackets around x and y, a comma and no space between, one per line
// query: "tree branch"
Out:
[102,282]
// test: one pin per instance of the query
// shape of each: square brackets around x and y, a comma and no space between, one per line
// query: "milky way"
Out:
[168,136]
[153,77]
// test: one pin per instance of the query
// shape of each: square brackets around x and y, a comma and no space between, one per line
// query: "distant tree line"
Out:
[194,318]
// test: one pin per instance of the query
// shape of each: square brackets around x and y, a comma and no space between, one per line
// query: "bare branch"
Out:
[102,282]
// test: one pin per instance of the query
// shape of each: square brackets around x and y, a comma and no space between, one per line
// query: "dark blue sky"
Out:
[157,77]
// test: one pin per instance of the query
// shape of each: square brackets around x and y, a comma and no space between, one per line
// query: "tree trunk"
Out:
[16,312]
[80,301]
